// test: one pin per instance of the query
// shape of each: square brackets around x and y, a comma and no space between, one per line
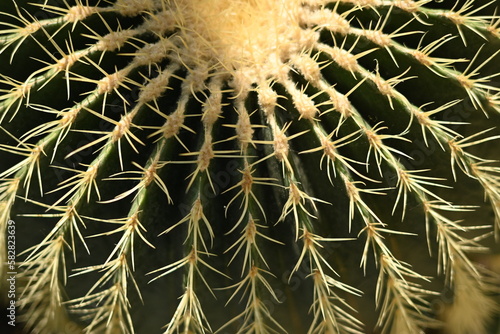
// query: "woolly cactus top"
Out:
[300,161]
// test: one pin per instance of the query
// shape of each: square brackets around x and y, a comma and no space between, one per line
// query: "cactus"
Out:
[250,166]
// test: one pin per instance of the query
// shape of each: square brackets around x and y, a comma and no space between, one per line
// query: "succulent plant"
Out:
[250,166]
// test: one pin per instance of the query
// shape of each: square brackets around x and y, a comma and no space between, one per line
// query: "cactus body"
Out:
[250,166]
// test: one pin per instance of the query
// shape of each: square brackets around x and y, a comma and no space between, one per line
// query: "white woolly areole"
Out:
[234,36]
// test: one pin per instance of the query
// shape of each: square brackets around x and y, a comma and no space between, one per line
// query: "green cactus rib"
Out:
[251,166]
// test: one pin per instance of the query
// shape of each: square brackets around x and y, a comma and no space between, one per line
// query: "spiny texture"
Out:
[251,166]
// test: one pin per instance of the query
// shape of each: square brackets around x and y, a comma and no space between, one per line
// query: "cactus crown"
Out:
[250,166]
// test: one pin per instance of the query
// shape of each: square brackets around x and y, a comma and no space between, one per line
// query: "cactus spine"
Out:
[250,166]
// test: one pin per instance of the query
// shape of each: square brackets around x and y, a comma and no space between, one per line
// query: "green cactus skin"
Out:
[250,166]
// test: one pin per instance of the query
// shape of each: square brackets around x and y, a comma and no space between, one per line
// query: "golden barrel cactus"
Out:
[250,166]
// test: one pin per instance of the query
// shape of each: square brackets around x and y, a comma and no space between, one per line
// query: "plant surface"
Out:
[250,166]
